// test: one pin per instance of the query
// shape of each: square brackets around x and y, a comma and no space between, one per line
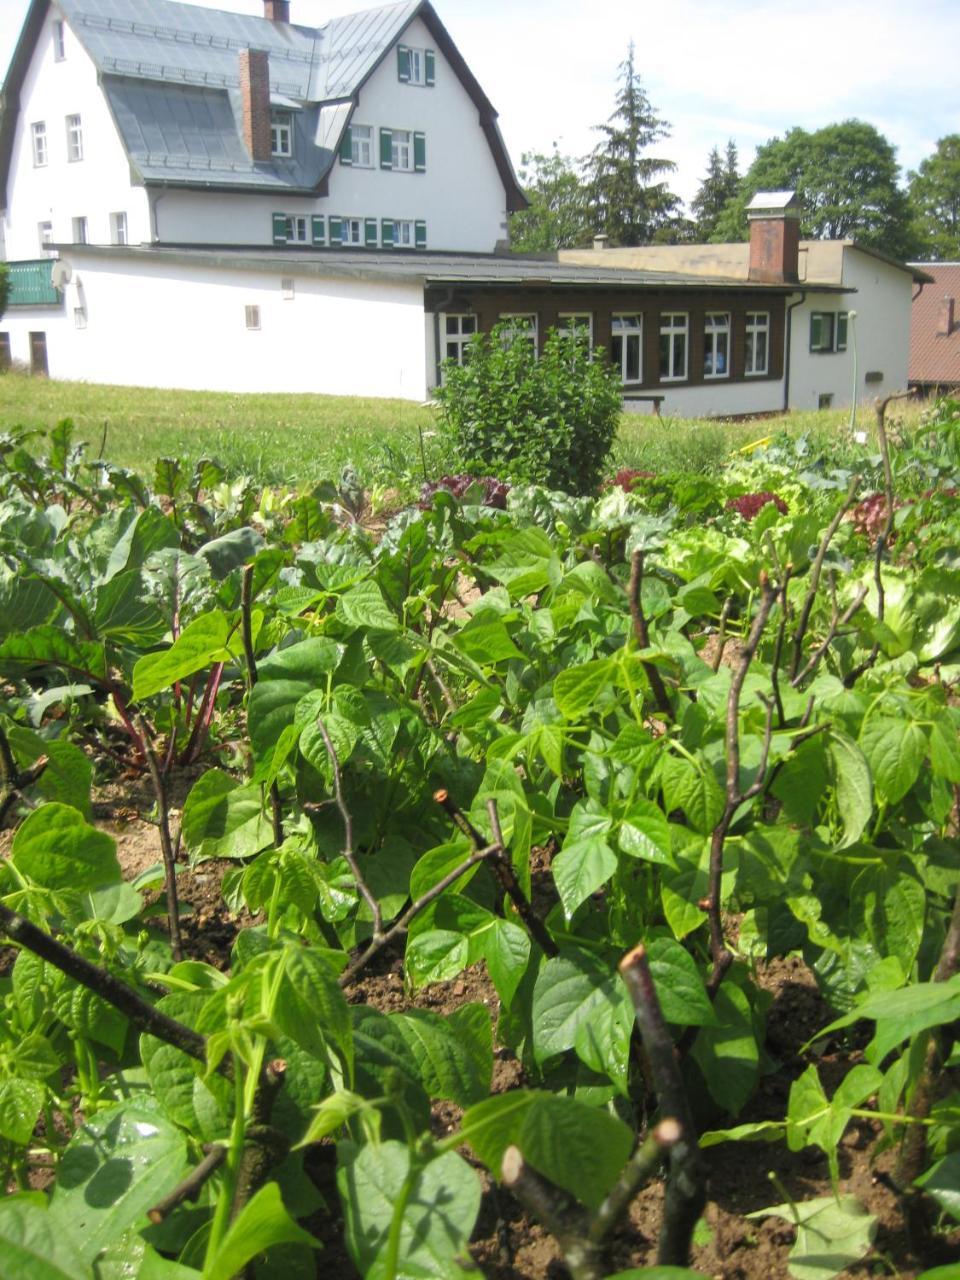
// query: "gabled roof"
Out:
[821,261]
[170,75]
[934,355]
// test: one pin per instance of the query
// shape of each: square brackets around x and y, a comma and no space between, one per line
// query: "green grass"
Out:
[300,439]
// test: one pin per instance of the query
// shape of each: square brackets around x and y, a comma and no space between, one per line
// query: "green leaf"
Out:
[900,1015]
[571,990]
[680,990]
[691,785]
[506,949]
[580,868]
[20,1103]
[364,606]
[727,1052]
[50,646]
[832,1234]
[208,639]
[436,955]
[943,1183]
[576,1146]
[645,833]
[894,750]
[261,1223]
[68,774]
[310,1007]
[34,1246]
[853,786]
[114,1169]
[452,1064]
[576,689]
[222,819]
[55,847]
[486,641]
[440,1212]
[282,680]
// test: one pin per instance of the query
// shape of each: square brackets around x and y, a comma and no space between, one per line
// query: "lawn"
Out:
[300,439]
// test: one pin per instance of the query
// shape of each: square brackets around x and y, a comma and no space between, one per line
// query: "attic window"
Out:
[416,66]
[59,45]
[281,133]
[252,315]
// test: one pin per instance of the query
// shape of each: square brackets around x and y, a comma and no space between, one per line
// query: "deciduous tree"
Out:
[558,216]
[935,196]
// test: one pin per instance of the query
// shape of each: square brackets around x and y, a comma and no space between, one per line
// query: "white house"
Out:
[193,198]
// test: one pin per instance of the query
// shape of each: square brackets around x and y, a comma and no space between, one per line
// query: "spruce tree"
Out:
[629,206]
[717,188]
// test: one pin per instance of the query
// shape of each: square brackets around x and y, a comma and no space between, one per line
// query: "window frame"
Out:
[577,331]
[624,336]
[356,149]
[347,240]
[459,339]
[400,149]
[526,332]
[59,42]
[714,332]
[752,330]
[281,129]
[674,333]
[119,231]
[80,229]
[74,125]
[251,315]
[295,222]
[398,241]
[820,321]
[38,138]
[46,245]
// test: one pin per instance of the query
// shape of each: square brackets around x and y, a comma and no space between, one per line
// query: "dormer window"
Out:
[281,133]
[416,66]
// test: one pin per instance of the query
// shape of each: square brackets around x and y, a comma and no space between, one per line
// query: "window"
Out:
[578,325]
[287,287]
[416,66]
[828,331]
[673,346]
[59,45]
[825,400]
[118,228]
[351,231]
[361,146]
[39,135]
[252,316]
[79,317]
[79,231]
[45,232]
[757,343]
[281,133]
[841,343]
[295,229]
[404,233]
[458,332]
[401,150]
[716,344]
[74,138]
[626,347]
[519,328]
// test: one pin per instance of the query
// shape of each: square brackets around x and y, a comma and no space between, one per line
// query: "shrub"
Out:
[549,421]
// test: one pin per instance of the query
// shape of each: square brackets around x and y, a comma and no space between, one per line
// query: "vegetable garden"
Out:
[605,759]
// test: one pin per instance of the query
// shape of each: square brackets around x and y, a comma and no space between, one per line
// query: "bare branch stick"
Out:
[641,1167]
[558,1211]
[246,630]
[722,632]
[17,780]
[815,571]
[166,844]
[642,634]
[836,623]
[348,851]
[445,693]
[778,647]
[191,1185]
[686,1180]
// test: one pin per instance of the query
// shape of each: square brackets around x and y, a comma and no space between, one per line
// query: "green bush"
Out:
[548,421]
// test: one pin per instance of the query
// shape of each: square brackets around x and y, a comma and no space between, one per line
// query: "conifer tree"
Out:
[717,188]
[629,205]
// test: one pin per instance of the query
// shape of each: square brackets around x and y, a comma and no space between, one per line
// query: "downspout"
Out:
[786,359]
[153,199]
[437,312]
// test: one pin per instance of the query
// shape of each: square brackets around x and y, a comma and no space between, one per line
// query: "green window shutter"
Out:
[386,233]
[420,235]
[429,67]
[336,231]
[279,228]
[370,232]
[346,147]
[386,148]
[419,153]
[403,63]
[319,233]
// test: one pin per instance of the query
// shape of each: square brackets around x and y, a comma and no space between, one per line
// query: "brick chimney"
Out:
[276,10]
[774,218]
[255,100]
[945,318]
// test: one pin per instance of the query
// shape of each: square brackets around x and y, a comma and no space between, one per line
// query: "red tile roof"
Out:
[934,356]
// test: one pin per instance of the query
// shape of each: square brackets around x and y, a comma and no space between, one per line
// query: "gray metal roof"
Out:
[430,268]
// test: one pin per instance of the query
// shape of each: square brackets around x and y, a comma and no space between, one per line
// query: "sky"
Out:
[713,69]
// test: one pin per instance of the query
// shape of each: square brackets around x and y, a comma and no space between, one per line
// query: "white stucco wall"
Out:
[881,332]
[460,196]
[61,190]
[165,324]
[717,400]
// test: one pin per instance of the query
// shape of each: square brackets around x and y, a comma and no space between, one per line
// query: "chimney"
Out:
[255,101]
[276,10]
[945,319]
[774,218]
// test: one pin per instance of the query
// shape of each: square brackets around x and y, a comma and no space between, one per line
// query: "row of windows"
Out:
[350,232]
[80,231]
[626,342]
[41,150]
[402,150]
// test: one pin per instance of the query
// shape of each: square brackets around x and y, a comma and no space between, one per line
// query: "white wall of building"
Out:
[62,190]
[165,324]
[717,400]
[879,337]
[460,196]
